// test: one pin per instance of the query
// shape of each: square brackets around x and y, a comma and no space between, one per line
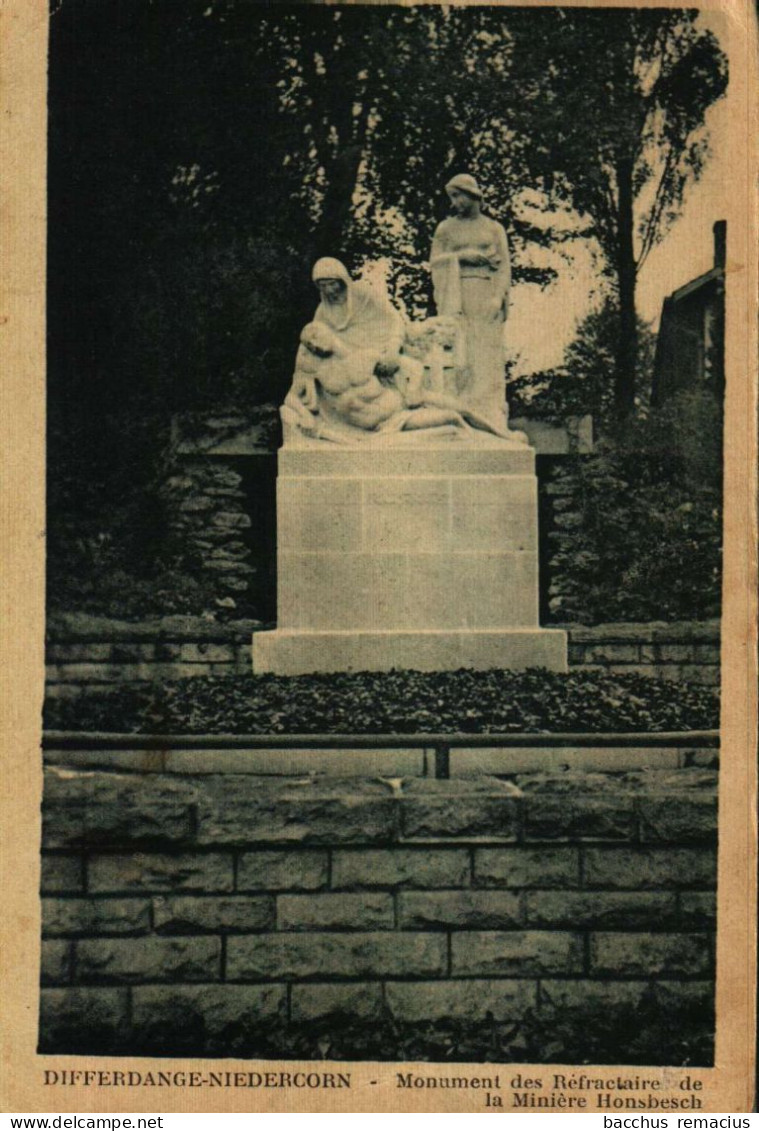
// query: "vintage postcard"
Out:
[379,590]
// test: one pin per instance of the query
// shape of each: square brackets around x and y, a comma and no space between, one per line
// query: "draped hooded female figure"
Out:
[361,317]
[358,321]
[471,276]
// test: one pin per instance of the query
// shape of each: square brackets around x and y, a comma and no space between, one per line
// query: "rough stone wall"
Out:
[220,905]
[208,518]
[85,650]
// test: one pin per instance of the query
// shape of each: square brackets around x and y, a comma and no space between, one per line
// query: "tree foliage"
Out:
[583,383]
[638,525]
[617,103]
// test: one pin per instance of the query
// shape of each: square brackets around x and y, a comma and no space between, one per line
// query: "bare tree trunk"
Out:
[627,342]
[342,176]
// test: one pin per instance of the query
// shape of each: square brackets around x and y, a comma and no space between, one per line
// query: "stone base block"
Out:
[482,456]
[297,652]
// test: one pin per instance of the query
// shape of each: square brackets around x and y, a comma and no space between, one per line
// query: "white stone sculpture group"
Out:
[364,374]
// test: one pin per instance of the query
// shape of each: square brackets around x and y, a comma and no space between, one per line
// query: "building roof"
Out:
[696,284]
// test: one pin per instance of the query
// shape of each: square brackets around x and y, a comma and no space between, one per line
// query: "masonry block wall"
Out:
[193,913]
[687,651]
[86,651]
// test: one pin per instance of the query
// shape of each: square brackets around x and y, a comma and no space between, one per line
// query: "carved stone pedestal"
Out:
[419,557]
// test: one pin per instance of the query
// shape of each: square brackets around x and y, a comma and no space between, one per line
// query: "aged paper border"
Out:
[728,1087]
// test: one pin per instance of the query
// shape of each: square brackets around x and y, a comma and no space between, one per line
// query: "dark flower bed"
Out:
[654,1033]
[396,702]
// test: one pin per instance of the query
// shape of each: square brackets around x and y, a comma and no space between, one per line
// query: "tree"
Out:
[591,357]
[616,101]
[390,102]
[581,383]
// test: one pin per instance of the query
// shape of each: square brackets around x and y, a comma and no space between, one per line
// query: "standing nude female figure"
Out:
[471,276]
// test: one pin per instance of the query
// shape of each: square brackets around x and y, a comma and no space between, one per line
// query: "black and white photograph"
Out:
[385,402]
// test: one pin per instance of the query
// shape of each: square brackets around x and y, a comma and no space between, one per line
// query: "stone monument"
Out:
[406,508]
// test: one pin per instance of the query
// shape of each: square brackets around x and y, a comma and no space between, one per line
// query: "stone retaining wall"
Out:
[686,650]
[196,913]
[85,650]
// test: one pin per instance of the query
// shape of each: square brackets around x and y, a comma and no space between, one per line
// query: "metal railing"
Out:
[440,745]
